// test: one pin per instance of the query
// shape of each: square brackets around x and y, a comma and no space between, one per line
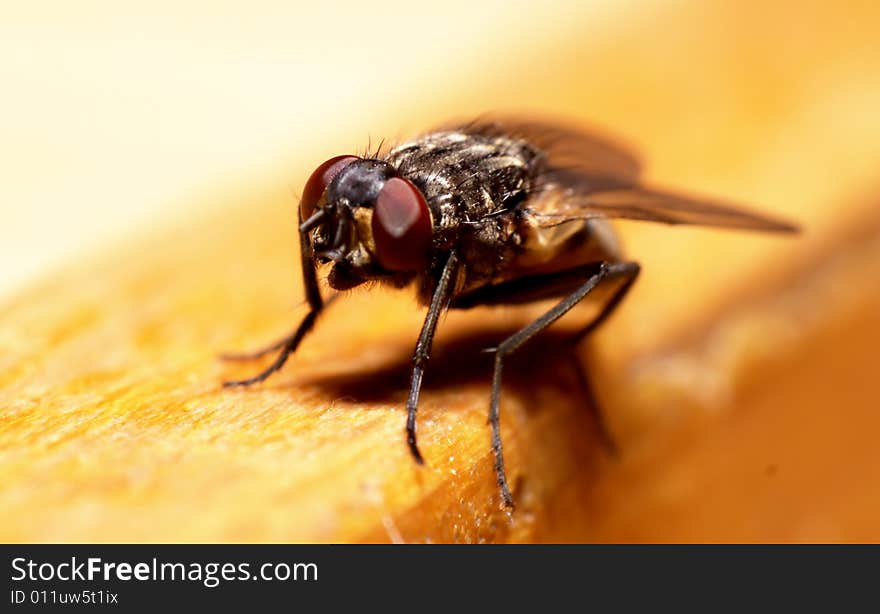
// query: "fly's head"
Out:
[360,215]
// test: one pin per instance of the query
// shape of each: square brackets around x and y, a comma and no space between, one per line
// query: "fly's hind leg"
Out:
[630,272]
[605,270]
[630,275]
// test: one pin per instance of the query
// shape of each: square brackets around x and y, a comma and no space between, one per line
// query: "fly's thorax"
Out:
[474,185]
[466,177]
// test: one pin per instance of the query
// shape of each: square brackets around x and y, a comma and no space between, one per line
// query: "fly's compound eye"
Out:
[318,182]
[401,226]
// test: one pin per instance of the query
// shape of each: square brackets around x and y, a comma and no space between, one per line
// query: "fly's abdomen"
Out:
[571,244]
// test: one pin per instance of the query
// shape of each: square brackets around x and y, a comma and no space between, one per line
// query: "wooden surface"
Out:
[739,378]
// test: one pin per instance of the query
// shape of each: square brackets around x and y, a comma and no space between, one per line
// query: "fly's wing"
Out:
[584,175]
[593,157]
[566,195]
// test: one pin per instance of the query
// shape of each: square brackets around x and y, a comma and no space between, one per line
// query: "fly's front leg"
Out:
[508,346]
[439,301]
[289,344]
[277,345]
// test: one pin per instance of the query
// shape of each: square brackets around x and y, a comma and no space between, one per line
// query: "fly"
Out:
[485,213]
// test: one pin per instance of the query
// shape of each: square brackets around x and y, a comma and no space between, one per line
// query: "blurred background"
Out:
[123,120]
[112,114]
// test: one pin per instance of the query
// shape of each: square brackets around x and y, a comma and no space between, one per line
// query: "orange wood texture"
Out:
[739,378]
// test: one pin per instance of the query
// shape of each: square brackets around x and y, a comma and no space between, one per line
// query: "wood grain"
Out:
[739,378]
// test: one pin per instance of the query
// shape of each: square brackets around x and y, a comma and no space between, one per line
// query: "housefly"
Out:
[487,213]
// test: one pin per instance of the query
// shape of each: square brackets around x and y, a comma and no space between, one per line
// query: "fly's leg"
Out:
[439,302]
[580,372]
[508,346]
[289,344]
[244,356]
[630,271]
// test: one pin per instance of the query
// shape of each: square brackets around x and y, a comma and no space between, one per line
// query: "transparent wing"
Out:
[566,148]
[566,196]
[589,175]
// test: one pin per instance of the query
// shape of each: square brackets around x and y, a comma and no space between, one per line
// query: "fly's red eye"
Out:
[401,226]
[318,182]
